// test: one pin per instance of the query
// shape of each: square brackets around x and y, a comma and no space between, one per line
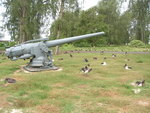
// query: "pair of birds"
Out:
[86,69]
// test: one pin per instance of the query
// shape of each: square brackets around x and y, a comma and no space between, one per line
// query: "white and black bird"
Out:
[127,67]
[104,63]
[113,55]
[10,80]
[140,83]
[86,69]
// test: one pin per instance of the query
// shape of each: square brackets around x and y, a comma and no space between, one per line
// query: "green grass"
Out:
[106,48]
[106,89]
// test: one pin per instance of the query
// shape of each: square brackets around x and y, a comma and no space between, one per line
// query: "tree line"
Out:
[24,19]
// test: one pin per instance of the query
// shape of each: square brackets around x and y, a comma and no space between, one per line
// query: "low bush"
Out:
[136,43]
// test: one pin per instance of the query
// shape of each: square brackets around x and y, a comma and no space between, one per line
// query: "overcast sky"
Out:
[86,5]
[89,3]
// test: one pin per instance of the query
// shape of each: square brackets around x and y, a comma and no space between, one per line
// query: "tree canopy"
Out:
[24,20]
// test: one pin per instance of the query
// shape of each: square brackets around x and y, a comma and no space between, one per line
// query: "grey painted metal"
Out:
[41,56]
[71,39]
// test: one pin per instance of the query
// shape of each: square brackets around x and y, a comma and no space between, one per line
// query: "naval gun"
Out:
[38,51]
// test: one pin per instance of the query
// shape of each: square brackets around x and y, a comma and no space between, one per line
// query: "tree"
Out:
[58,9]
[110,8]
[140,19]
[90,21]
[24,18]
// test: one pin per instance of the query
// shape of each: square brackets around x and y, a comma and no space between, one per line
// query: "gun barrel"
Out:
[36,40]
[71,39]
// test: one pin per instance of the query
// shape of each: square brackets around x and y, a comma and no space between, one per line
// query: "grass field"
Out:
[106,89]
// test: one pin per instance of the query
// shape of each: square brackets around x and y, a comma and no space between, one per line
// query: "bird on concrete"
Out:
[104,63]
[102,52]
[140,83]
[126,53]
[10,80]
[127,67]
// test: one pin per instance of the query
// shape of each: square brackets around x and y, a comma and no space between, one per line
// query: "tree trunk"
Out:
[59,29]
[22,36]
[57,47]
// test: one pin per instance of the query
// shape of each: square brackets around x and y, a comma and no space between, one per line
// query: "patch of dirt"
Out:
[109,93]
[3,101]
[56,93]
[100,104]
[124,109]
[47,109]
[58,85]
[21,70]
[143,103]
[83,86]
[19,78]
[61,93]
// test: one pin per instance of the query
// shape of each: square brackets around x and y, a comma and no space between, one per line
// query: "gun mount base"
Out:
[38,69]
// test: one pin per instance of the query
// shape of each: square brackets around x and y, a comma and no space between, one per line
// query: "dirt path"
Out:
[113,52]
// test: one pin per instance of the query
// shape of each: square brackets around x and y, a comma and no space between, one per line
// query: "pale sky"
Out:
[89,3]
[86,5]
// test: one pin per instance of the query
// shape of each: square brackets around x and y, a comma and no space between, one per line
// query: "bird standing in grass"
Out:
[95,58]
[105,58]
[104,63]
[86,60]
[71,55]
[113,55]
[86,69]
[88,65]
[140,83]
[10,80]
[127,67]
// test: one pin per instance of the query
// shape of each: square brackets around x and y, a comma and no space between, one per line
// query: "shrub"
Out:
[2,44]
[136,43]
[7,44]
[67,46]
